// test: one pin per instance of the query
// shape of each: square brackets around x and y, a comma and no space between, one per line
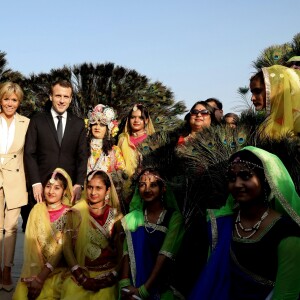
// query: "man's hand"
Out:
[76,193]
[38,192]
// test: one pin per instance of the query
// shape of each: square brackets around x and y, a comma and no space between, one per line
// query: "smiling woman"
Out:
[93,243]
[138,127]
[13,128]
[154,231]
[200,116]
[255,237]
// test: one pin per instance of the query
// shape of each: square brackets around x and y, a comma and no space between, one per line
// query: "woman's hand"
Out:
[130,293]
[95,284]
[34,288]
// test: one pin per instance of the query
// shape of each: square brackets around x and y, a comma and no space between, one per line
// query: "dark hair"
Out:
[154,171]
[102,175]
[218,102]
[259,75]
[58,176]
[108,141]
[233,115]
[187,127]
[144,114]
[62,82]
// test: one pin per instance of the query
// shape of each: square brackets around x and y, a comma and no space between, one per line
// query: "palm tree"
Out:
[7,74]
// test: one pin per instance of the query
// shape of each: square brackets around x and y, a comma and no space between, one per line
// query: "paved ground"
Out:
[16,270]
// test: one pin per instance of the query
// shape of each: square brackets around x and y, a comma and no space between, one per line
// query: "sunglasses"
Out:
[203,112]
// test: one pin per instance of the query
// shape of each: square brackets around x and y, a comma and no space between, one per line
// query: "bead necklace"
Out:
[98,208]
[153,227]
[252,229]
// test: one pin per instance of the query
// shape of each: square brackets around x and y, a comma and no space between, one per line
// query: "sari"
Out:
[282,101]
[96,245]
[131,155]
[263,268]
[144,243]
[43,243]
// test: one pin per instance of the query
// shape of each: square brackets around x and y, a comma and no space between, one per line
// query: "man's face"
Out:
[218,112]
[258,91]
[61,98]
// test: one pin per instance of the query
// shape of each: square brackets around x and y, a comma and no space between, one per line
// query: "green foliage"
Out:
[7,74]
[273,55]
[106,83]
[278,54]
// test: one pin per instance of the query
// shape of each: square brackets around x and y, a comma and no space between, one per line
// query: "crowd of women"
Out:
[126,237]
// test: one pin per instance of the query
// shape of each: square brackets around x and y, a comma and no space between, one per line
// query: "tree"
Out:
[108,84]
[7,74]
[278,54]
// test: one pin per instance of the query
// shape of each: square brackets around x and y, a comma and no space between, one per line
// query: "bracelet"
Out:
[81,278]
[49,266]
[115,273]
[143,292]
[124,282]
[74,268]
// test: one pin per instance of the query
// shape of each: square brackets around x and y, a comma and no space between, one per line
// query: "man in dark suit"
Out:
[47,149]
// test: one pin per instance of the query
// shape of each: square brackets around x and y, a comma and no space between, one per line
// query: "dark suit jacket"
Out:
[43,154]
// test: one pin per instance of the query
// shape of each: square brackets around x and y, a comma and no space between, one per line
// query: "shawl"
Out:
[214,280]
[81,221]
[282,101]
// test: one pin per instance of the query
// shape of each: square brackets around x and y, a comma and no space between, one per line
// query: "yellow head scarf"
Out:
[282,101]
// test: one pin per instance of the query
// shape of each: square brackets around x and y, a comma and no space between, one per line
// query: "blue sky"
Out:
[198,49]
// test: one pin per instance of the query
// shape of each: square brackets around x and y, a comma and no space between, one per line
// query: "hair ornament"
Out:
[250,165]
[148,174]
[104,115]
[52,179]
[92,175]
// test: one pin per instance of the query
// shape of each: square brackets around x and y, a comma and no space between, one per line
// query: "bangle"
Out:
[143,292]
[74,268]
[115,273]
[49,266]
[124,282]
[81,278]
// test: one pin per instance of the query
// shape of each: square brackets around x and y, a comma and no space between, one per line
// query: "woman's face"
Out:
[98,131]
[244,184]
[96,190]
[9,105]
[54,192]
[136,121]
[258,91]
[199,120]
[149,188]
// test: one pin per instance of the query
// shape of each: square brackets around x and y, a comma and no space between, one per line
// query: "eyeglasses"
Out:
[203,112]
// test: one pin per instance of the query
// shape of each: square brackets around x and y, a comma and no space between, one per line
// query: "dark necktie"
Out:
[59,129]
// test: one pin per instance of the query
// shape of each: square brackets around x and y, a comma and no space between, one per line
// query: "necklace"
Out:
[54,205]
[98,208]
[151,225]
[137,134]
[238,224]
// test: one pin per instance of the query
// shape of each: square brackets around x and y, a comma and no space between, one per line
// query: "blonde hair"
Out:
[8,88]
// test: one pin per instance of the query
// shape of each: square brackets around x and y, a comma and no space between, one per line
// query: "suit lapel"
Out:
[51,125]
[20,131]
